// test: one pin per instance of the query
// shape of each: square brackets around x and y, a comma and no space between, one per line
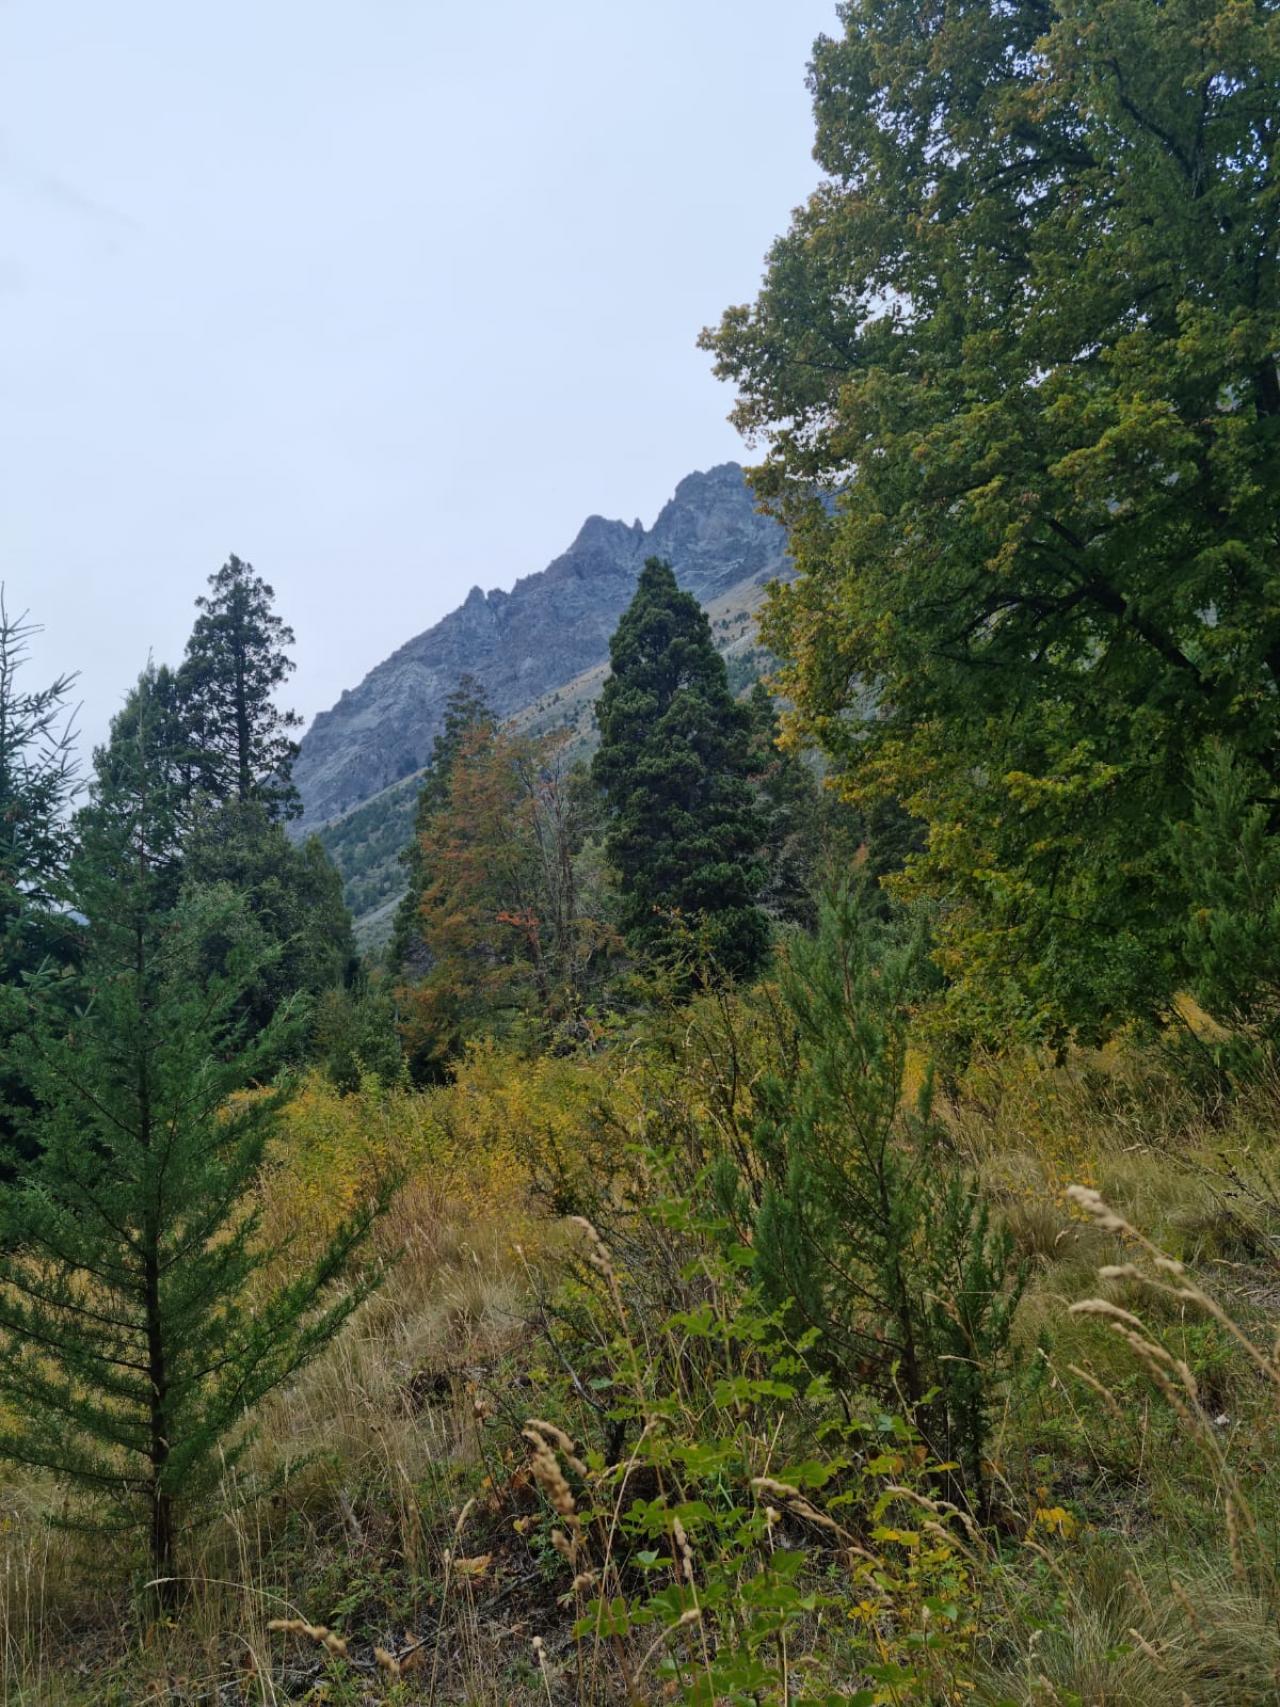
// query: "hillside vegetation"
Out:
[792,1216]
[367,843]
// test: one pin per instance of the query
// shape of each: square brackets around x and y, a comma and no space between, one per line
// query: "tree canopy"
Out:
[142,1312]
[1014,364]
[674,762]
[235,662]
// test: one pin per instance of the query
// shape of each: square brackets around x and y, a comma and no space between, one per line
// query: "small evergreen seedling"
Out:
[867,1229]
[1230,856]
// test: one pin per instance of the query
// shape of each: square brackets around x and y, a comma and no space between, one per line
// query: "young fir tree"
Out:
[466,709]
[863,1226]
[156,704]
[235,662]
[142,1312]
[674,762]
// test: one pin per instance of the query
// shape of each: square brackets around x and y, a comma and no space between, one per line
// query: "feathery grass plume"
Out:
[551,1479]
[318,1633]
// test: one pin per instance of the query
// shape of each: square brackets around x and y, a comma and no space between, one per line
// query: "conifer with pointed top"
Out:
[37,783]
[674,764]
[235,662]
[140,1317]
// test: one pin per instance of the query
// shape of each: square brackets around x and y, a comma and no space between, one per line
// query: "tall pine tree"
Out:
[235,662]
[674,764]
[141,1317]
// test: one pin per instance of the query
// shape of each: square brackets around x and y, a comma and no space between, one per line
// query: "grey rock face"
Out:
[548,629]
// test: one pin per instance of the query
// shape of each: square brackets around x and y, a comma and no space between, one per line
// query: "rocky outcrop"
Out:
[523,644]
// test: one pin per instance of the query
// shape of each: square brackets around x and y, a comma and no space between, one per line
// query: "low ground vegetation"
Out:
[575,1447]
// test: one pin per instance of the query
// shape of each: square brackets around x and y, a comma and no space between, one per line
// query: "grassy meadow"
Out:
[564,1453]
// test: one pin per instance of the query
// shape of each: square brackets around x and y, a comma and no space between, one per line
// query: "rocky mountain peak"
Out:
[520,645]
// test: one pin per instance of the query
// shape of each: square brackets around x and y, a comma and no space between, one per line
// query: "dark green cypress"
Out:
[674,763]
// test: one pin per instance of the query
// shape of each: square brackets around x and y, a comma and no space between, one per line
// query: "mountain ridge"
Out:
[552,627]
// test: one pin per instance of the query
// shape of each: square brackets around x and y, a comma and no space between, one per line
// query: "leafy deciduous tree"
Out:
[1015,364]
[503,914]
[465,709]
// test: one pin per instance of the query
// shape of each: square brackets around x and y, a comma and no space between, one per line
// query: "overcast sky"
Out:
[386,296]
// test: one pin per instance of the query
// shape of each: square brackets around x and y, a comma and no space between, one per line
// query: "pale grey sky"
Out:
[383,295]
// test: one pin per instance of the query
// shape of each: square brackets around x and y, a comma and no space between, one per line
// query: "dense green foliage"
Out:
[726,1355]
[811,836]
[37,781]
[1015,366]
[234,664]
[36,784]
[673,764]
[131,1349]
[865,1231]
[1230,859]
[207,835]
[296,919]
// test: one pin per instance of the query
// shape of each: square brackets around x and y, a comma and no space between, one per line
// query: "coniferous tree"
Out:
[1230,857]
[37,777]
[809,835]
[863,1225]
[295,915]
[148,748]
[465,709]
[814,837]
[37,781]
[235,662]
[674,762]
[138,1325]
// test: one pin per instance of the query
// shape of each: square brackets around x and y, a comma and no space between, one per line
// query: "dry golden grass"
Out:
[1133,1563]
